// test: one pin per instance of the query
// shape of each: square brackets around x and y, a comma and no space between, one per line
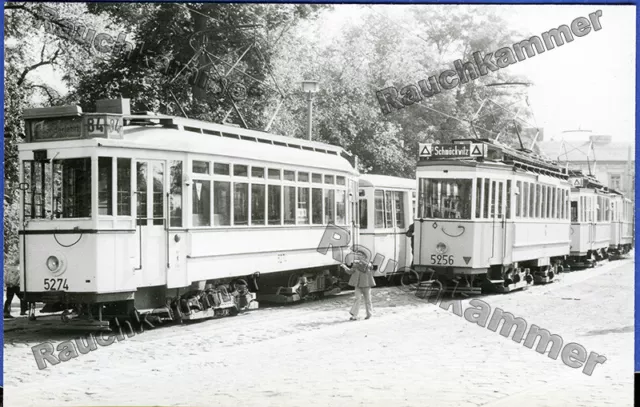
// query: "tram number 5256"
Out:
[55,284]
[442,259]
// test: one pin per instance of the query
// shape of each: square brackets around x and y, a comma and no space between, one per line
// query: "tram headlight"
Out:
[53,263]
[441,248]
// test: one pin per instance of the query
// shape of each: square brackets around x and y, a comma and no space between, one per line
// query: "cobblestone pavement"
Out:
[411,353]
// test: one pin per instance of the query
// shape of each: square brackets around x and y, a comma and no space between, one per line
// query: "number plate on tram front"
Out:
[442,259]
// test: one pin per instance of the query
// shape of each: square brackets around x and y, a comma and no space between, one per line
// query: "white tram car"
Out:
[590,219]
[621,225]
[128,212]
[490,218]
[387,209]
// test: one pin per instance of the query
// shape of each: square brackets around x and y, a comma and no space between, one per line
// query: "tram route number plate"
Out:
[442,259]
[55,284]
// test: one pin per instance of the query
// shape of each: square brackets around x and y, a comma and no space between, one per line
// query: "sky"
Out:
[588,84]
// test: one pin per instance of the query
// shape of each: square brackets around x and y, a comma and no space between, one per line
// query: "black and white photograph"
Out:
[269,204]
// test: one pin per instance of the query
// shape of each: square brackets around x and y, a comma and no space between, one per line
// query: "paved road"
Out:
[411,353]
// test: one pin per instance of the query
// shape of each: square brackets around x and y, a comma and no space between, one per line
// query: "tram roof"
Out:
[172,139]
[386,181]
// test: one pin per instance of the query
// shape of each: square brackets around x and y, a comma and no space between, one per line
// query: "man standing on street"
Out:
[12,281]
[362,279]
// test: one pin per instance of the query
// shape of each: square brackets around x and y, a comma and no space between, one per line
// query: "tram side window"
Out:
[341,202]
[574,211]
[379,208]
[201,203]
[289,204]
[599,209]
[537,202]
[175,193]
[549,202]
[487,191]
[478,197]
[329,205]
[316,206]
[141,192]
[304,206]
[105,171]
[508,199]
[274,213]
[554,202]
[388,210]
[257,204]
[123,187]
[158,193]
[525,199]
[222,203]
[493,198]
[532,200]
[500,190]
[399,209]
[364,219]
[240,201]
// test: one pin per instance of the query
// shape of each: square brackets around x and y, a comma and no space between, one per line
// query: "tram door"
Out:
[150,229]
[402,243]
[498,221]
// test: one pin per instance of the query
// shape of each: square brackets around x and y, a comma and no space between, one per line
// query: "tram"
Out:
[621,241]
[386,206]
[490,218]
[127,212]
[590,220]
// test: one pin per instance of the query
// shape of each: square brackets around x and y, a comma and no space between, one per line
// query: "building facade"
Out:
[612,163]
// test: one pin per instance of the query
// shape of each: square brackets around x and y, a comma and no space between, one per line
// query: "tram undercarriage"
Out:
[309,284]
[496,279]
[148,305]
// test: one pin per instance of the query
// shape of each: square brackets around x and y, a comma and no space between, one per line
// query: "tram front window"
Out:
[64,192]
[444,198]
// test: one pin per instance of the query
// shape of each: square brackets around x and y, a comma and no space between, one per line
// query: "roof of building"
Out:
[577,151]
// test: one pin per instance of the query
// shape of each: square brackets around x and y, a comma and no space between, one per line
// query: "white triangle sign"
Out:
[476,150]
[425,150]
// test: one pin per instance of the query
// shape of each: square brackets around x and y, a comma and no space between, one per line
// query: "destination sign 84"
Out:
[451,150]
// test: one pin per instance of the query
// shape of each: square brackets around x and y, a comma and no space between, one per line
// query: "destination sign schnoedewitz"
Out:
[451,150]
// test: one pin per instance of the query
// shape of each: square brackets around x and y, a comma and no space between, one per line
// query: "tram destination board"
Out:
[458,150]
[74,127]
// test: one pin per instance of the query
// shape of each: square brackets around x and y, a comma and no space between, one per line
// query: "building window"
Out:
[615,181]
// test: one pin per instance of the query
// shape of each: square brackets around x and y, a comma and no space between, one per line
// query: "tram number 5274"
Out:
[442,259]
[55,284]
